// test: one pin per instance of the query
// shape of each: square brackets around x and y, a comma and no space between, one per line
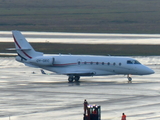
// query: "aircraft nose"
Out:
[148,71]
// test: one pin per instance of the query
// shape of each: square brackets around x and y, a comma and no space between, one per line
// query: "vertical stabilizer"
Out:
[23,48]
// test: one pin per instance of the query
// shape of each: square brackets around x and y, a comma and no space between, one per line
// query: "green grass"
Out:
[106,16]
[87,49]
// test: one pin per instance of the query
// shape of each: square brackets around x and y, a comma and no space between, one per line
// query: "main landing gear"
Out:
[71,78]
[129,79]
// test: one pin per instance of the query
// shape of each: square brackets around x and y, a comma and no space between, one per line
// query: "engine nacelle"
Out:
[43,61]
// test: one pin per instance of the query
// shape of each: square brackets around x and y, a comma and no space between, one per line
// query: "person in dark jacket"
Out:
[85,106]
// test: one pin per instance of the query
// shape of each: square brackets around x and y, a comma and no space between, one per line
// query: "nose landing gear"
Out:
[129,78]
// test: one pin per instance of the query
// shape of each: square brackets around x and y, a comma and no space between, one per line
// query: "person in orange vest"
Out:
[123,116]
[85,106]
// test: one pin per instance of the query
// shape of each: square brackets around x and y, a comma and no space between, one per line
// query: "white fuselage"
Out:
[94,65]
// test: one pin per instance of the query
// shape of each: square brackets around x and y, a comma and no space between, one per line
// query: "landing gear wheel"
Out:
[77,78]
[129,79]
[70,79]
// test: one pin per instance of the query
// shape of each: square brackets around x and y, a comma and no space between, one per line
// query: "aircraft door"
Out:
[53,61]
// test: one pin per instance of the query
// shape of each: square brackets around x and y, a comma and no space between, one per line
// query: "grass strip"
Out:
[90,49]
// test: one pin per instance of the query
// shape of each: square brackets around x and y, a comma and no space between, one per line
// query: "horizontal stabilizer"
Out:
[10,48]
[18,49]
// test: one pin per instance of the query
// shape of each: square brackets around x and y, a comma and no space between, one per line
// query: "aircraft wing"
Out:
[30,65]
[80,73]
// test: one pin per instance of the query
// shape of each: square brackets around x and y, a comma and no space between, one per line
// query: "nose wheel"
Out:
[129,78]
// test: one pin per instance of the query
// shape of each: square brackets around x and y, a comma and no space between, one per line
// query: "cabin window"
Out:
[79,62]
[114,63]
[85,62]
[108,63]
[91,63]
[102,63]
[97,63]
[120,64]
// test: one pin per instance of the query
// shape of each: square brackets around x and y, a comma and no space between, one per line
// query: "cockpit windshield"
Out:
[133,62]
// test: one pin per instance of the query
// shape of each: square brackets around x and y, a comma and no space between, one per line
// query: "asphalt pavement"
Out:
[27,94]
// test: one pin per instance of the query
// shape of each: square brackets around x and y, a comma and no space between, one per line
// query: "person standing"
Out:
[85,106]
[123,116]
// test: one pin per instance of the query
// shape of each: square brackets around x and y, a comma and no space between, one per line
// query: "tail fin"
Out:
[23,48]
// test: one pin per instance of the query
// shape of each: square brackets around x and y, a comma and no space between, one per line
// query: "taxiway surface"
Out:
[25,95]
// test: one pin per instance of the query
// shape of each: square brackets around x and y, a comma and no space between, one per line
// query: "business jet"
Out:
[75,66]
